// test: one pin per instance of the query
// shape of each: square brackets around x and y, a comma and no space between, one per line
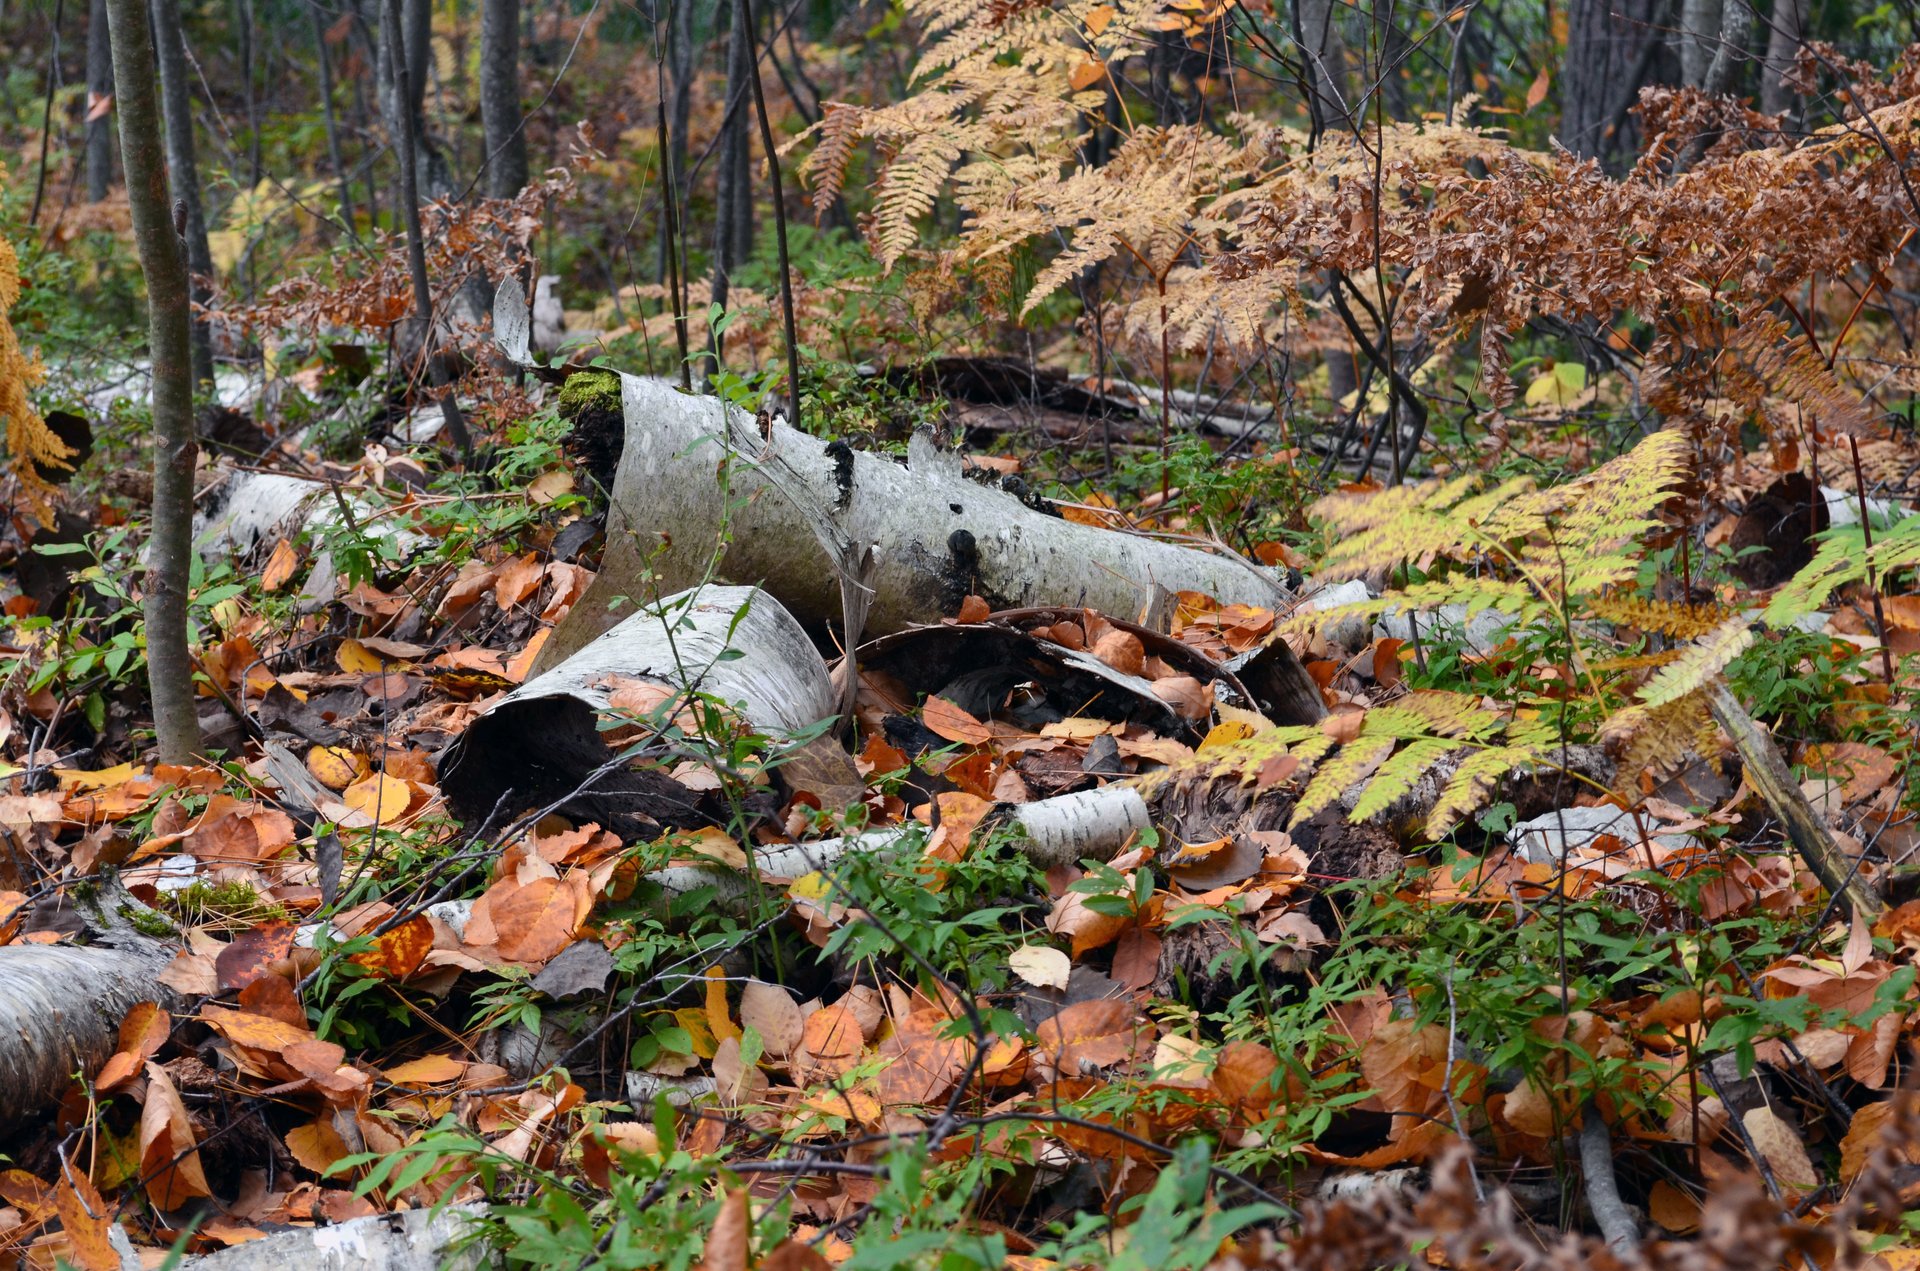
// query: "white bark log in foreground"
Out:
[1063,830]
[60,1013]
[418,1240]
[733,643]
[697,480]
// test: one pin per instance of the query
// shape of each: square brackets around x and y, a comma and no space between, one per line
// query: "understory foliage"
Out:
[1499,962]
[30,446]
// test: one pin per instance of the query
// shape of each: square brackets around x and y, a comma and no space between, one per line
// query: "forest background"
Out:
[1511,750]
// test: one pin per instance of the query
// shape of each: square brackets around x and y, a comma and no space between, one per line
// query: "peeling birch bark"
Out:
[701,482]
[735,643]
[417,1240]
[60,1012]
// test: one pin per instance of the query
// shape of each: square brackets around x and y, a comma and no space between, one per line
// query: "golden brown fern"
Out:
[30,445]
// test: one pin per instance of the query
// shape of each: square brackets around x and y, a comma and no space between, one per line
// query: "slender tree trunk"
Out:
[679,122]
[170,323]
[410,215]
[1610,49]
[182,168]
[733,175]
[1784,34]
[1318,42]
[1699,31]
[326,109]
[363,114]
[1730,53]
[500,117]
[99,88]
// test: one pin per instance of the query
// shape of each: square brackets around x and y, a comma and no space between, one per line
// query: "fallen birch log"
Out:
[61,1007]
[701,483]
[542,740]
[417,1240]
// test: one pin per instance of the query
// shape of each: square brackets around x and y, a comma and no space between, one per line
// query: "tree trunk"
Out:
[732,179]
[325,63]
[1784,34]
[1610,50]
[61,1007]
[1318,42]
[182,168]
[170,322]
[1699,33]
[99,88]
[501,121]
[422,342]
[1730,52]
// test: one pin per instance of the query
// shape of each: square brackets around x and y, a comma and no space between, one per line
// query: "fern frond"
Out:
[1356,762]
[1398,775]
[1699,662]
[1660,739]
[1843,558]
[1669,618]
[30,445]
[1473,783]
[826,167]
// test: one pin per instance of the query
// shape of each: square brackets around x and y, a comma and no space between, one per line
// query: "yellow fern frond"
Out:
[30,445]
[1473,783]
[1668,618]
[1398,775]
[1658,740]
[1356,762]
[1699,662]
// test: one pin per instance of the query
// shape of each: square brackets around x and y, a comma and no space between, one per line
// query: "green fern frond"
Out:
[1699,662]
[1356,762]
[1843,558]
[1398,775]
[1473,783]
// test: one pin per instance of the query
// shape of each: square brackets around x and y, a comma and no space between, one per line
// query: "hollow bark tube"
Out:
[169,319]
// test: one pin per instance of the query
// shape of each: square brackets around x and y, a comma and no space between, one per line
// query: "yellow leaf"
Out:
[356,658]
[1225,734]
[1537,91]
[1087,74]
[381,797]
[336,767]
[1098,19]
[1558,385]
[717,1018]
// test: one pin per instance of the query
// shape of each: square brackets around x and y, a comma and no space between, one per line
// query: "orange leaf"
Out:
[1086,75]
[832,1038]
[399,952]
[536,921]
[169,1154]
[945,720]
[1677,1211]
[86,1220]
[729,1244]
[280,566]
[1092,1034]
[382,798]
[1537,91]
[517,580]
[253,954]
[717,1018]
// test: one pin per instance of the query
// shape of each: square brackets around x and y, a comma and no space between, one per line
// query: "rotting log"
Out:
[737,644]
[702,484]
[1767,772]
[417,1240]
[61,1006]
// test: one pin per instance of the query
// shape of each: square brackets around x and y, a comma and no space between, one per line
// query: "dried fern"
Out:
[30,445]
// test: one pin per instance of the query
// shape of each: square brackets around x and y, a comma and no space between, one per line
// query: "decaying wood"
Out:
[1767,773]
[703,484]
[61,1006]
[541,740]
[418,1240]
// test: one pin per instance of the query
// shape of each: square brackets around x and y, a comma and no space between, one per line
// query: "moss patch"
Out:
[589,391]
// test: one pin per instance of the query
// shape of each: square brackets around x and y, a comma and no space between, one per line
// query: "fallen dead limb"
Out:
[702,486]
[61,1005]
